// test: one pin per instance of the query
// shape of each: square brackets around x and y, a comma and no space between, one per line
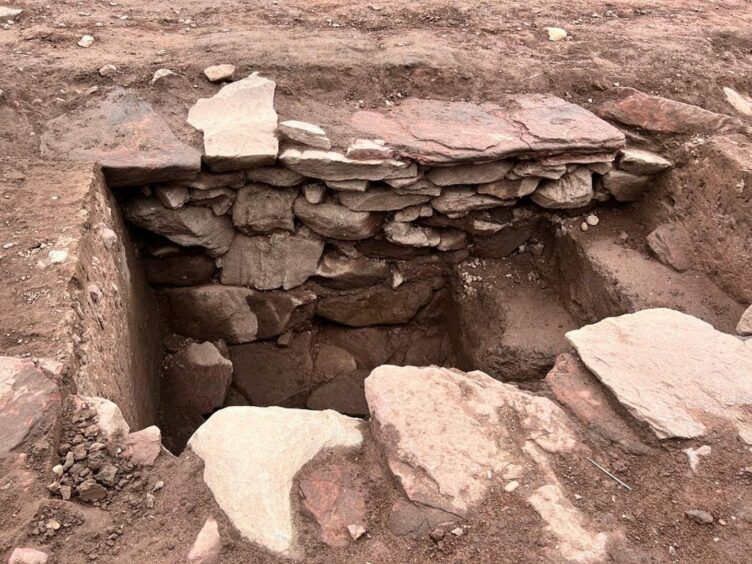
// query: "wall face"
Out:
[70,290]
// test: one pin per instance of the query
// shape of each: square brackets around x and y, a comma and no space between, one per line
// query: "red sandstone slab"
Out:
[439,132]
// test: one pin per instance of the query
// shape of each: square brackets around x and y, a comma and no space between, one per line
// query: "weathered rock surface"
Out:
[368,149]
[219,73]
[269,374]
[343,272]
[329,165]
[654,113]
[144,446]
[380,200]
[432,131]
[540,169]
[110,419]
[415,520]
[261,209]
[344,394]
[348,185]
[27,555]
[208,545]
[639,161]
[239,125]
[672,371]
[411,235]
[197,378]
[672,245]
[210,181]
[251,456]
[443,435]
[29,401]
[744,327]
[187,226]
[421,186]
[305,133]
[173,197]
[211,312]
[180,270]
[333,504]
[376,306]
[265,262]
[572,190]
[275,176]
[277,312]
[625,186]
[470,173]
[122,133]
[220,200]
[457,201]
[509,189]
[337,222]
[575,387]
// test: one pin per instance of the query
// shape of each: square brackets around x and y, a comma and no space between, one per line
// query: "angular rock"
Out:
[344,394]
[671,371]
[573,190]
[699,516]
[251,456]
[329,165]
[219,73]
[173,197]
[509,189]
[437,132]
[415,520]
[583,396]
[122,133]
[197,378]
[469,173]
[9,13]
[208,545]
[239,125]
[314,193]
[26,555]
[744,327]
[672,245]
[654,113]
[110,419]
[342,272]
[332,360]
[278,312]
[211,181]
[411,213]
[411,235]
[348,185]
[268,374]
[443,435]
[422,186]
[380,200]
[742,104]
[337,222]
[143,447]
[29,401]
[187,226]
[211,312]
[220,200]
[639,161]
[540,169]
[458,201]
[89,491]
[261,209]
[625,186]
[376,306]
[265,262]
[181,270]
[453,240]
[332,504]
[275,175]
[368,149]
[305,133]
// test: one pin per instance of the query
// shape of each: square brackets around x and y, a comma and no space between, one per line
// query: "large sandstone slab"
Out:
[188,226]
[239,124]
[438,132]
[29,401]
[122,133]
[251,456]
[653,113]
[211,312]
[330,165]
[449,436]
[672,371]
[265,262]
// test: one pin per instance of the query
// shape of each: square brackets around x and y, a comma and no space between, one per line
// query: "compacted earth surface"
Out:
[375,282]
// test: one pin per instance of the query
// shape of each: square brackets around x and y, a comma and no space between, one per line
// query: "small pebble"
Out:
[556,33]
[592,220]
[86,41]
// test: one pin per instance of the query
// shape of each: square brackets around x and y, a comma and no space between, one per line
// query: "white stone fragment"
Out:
[305,133]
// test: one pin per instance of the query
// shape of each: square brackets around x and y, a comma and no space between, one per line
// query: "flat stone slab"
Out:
[239,124]
[438,132]
[122,133]
[251,456]
[29,399]
[330,165]
[447,434]
[672,371]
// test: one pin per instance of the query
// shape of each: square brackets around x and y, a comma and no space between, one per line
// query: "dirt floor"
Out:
[329,58]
